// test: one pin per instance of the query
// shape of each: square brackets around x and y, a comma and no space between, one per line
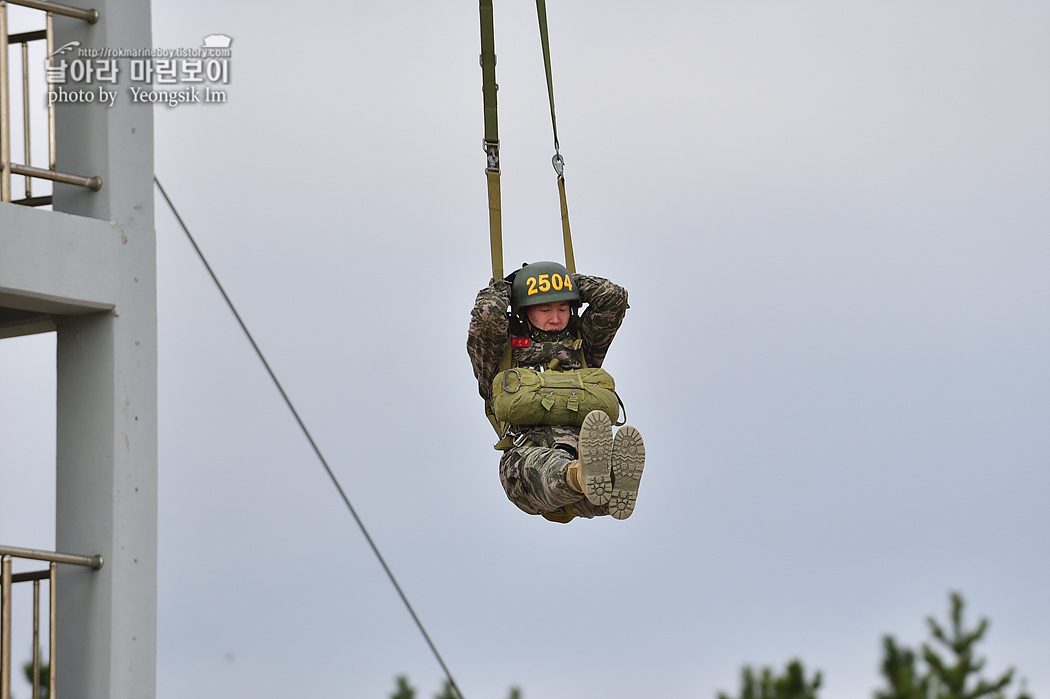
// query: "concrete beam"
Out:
[53,263]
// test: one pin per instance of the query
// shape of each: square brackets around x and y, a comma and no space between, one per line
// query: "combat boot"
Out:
[628,459]
[595,449]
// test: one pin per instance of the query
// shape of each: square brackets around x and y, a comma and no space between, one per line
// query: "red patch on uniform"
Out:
[519,342]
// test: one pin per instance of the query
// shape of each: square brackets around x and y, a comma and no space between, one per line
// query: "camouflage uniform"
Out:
[533,473]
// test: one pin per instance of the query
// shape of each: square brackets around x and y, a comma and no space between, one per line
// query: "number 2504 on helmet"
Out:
[542,282]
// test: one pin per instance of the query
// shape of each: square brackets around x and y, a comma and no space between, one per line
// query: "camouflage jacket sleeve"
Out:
[488,336]
[606,306]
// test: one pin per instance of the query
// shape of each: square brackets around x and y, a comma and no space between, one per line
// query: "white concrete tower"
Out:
[87,270]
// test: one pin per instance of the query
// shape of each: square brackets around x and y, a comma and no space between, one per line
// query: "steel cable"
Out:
[310,439]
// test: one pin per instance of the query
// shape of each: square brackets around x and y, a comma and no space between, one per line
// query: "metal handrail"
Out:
[5,111]
[53,556]
[94,183]
[7,579]
[7,168]
[89,16]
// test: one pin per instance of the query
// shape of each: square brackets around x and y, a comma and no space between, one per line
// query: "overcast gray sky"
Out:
[834,224]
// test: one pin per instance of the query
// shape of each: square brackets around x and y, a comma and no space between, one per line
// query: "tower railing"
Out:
[7,579]
[26,169]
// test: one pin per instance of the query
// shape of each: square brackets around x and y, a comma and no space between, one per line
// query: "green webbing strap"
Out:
[491,144]
[495,225]
[570,261]
[541,13]
[559,162]
[505,441]
[489,87]
[488,72]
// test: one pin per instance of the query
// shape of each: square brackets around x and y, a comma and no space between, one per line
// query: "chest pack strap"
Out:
[506,440]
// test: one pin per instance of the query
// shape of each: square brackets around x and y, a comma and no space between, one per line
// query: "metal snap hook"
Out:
[559,163]
[506,388]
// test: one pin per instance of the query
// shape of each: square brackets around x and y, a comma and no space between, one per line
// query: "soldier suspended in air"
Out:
[537,360]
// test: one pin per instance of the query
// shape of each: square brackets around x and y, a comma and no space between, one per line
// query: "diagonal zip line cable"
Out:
[309,438]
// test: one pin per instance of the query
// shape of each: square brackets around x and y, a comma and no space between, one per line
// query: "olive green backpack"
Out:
[522,396]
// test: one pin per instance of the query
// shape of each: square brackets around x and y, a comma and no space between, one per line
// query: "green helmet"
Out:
[542,282]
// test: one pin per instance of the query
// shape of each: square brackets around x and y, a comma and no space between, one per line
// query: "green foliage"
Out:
[44,676]
[403,690]
[947,667]
[767,685]
[898,667]
[952,669]
[447,692]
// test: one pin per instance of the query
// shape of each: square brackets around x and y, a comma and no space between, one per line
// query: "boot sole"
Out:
[628,460]
[595,449]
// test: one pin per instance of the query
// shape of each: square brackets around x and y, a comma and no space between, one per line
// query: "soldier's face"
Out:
[549,317]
